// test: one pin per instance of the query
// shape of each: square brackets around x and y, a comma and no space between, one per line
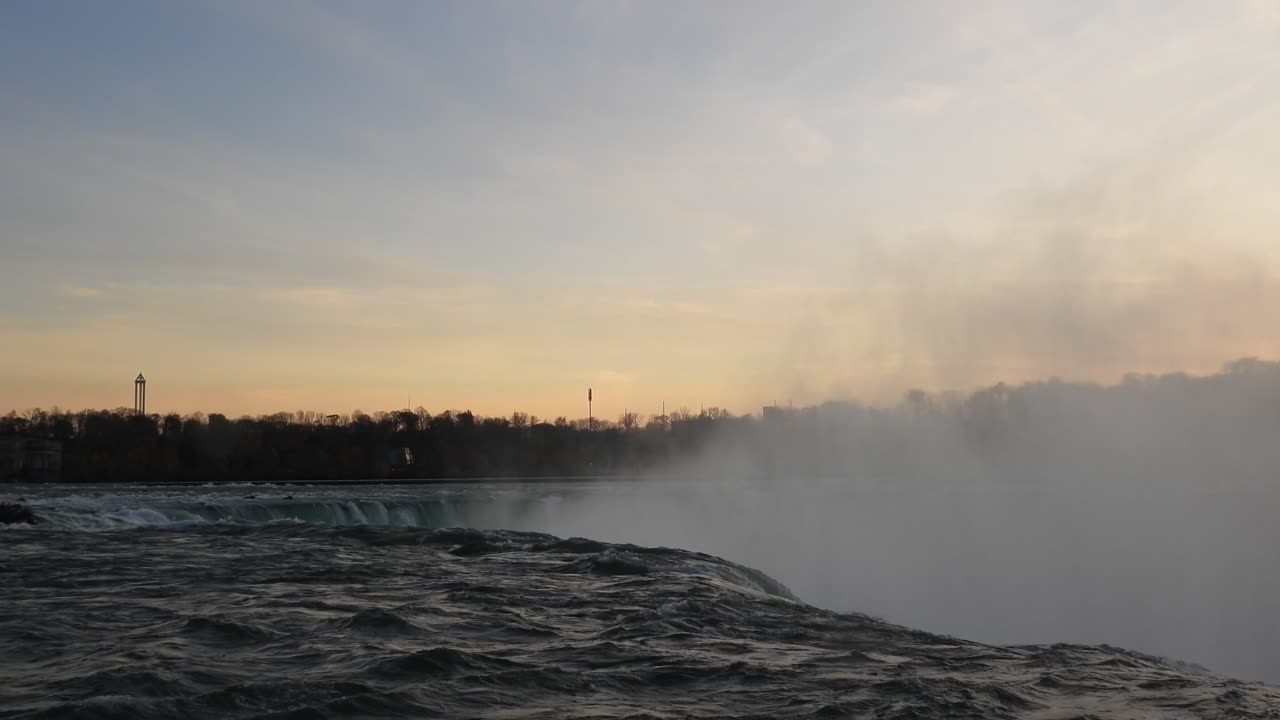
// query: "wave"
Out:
[302,620]
[212,629]
[635,560]
[595,557]
[438,521]
[115,513]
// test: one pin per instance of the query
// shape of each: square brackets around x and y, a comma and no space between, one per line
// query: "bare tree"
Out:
[629,421]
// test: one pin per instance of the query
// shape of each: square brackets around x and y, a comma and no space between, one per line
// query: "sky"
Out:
[495,205]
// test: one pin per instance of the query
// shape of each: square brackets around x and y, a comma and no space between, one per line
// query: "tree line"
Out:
[1166,429]
[123,446]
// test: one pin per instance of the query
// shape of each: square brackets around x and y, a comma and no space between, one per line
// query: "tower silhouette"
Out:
[140,395]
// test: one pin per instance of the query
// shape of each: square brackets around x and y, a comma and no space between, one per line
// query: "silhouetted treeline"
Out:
[1198,431]
[121,446]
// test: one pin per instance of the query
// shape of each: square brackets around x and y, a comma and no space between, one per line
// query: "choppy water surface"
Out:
[345,602]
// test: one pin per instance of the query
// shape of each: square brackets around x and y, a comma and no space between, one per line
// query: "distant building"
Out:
[772,413]
[399,462]
[27,459]
[400,457]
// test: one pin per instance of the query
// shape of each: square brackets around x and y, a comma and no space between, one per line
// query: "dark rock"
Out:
[14,513]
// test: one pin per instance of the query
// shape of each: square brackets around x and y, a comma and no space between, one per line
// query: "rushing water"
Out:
[353,601]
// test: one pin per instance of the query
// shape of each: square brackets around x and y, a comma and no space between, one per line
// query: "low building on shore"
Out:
[28,459]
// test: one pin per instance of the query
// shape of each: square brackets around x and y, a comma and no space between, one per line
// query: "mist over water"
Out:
[1140,514]
[1186,576]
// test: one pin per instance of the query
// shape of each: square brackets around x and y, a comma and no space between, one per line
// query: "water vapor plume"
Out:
[1137,514]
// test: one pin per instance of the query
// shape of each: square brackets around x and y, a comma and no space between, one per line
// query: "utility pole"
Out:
[591,423]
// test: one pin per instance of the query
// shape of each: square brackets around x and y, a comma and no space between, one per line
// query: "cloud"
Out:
[1125,265]
[803,142]
[317,298]
[78,291]
[924,100]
